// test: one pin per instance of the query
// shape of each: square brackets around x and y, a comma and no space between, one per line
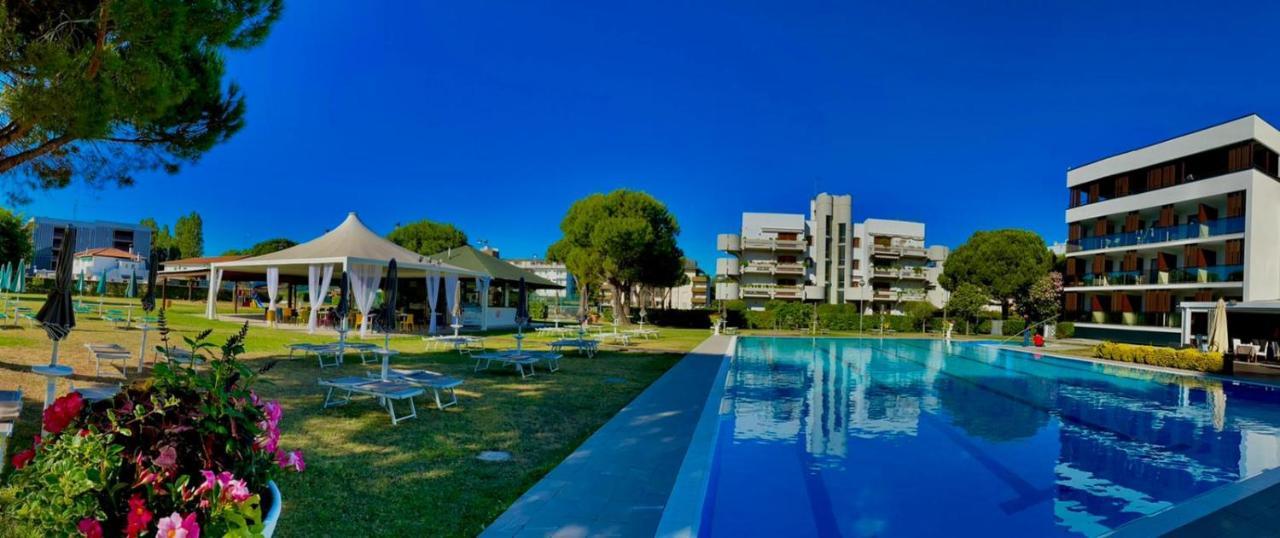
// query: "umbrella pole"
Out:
[51,385]
[142,348]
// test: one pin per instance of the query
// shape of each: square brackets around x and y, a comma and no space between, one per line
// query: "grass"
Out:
[365,477]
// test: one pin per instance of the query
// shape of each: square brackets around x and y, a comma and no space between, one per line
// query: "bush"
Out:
[198,444]
[735,313]
[1065,329]
[1185,359]
[839,317]
[538,309]
[1013,326]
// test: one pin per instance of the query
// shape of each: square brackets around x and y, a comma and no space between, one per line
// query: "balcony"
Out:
[896,273]
[898,295]
[1205,230]
[774,245]
[886,251]
[773,268]
[727,291]
[727,267]
[1181,275]
[915,252]
[728,242]
[770,291]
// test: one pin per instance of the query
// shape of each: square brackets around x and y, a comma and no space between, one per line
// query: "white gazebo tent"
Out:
[352,248]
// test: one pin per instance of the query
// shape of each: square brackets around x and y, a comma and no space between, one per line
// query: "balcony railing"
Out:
[898,295]
[1194,230]
[772,291]
[773,244]
[773,268]
[1180,275]
[1135,319]
[914,273]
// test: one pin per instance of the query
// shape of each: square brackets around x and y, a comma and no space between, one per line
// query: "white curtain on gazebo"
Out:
[273,292]
[215,282]
[451,298]
[364,286]
[318,278]
[482,284]
[433,289]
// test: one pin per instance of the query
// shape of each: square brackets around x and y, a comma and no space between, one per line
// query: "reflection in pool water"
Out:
[868,437]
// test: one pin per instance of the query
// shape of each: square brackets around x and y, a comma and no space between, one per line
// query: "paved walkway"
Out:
[617,482]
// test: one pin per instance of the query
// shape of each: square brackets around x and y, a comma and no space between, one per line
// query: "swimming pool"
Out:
[895,437]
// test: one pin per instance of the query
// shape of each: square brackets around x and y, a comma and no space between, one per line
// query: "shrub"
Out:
[1186,359]
[538,309]
[1013,326]
[1065,329]
[197,445]
[839,317]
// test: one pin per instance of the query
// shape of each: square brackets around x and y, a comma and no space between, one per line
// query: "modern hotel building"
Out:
[1155,231]
[826,257]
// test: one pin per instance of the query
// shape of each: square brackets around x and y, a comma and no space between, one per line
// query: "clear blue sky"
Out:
[495,117]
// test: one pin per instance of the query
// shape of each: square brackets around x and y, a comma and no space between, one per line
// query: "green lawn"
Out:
[365,477]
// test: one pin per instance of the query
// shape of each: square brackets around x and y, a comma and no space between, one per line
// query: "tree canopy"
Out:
[967,302]
[15,238]
[263,247]
[1004,263]
[188,235]
[427,237]
[161,239]
[1044,298]
[625,238]
[98,90]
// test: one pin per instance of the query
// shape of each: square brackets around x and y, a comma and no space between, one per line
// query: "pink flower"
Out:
[63,410]
[273,412]
[290,459]
[229,487]
[176,526]
[90,528]
[236,490]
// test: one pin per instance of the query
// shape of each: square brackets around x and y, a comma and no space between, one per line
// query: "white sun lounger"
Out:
[96,392]
[433,381]
[320,351]
[109,352]
[386,392]
[519,360]
[457,343]
[588,346]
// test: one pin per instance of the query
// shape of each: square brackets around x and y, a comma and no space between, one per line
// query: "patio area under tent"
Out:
[429,289]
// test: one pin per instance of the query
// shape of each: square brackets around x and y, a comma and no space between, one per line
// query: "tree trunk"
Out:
[583,292]
[1004,307]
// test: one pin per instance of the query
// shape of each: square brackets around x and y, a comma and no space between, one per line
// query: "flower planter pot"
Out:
[273,514]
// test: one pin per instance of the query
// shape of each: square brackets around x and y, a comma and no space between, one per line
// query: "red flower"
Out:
[90,528]
[139,516]
[62,412]
[20,459]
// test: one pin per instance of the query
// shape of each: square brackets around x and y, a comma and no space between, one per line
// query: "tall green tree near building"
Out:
[98,90]
[188,235]
[161,239]
[1004,263]
[624,238]
[967,302]
[427,237]
[15,238]
[263,247]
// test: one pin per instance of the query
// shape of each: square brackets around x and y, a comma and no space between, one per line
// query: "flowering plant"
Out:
[186,452]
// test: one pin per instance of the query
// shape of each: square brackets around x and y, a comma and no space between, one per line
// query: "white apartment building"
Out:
[553,271]
[827,258]
[1156,235]
[116,264]
[894,265]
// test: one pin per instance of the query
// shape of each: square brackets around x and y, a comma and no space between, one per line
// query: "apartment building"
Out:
[1174,226]
[826,257]
[553,271]
[894,265]
[47,233]
[693,294]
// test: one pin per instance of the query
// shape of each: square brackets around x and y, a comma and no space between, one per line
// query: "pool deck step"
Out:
[618,481]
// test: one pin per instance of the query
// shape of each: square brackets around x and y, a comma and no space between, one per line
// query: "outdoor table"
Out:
[386,355]
[52,372]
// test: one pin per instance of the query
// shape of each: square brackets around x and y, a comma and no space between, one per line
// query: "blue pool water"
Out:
[868,437]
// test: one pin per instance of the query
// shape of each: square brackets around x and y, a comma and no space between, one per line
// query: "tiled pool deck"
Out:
[618,481]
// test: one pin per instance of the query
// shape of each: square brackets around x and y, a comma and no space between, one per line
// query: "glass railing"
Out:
[1180,275]
[1191,230]
[1141,319]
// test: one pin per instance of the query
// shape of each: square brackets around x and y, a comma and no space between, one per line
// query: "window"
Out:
[842,233]
[857,242]
[855,264]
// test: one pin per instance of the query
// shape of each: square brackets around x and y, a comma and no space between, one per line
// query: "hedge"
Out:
[1065,329]
[1185,359]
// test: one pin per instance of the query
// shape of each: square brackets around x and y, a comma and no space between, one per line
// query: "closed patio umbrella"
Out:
[20,277]
[344,287]
[389,303]
[148,304]
[522,312]
[1218,328]
[101,289]
[57,316]
[4,277]
[80,282]
[131,290]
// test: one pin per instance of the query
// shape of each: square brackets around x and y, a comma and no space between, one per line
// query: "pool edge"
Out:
[682,515]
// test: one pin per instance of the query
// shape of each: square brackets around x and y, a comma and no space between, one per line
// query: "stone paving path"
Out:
[617,482]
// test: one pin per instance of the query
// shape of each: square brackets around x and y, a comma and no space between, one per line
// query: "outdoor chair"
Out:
[319,350]
[519,360]
[116,317]
[433,381]
[109,352]
[386,392]
[587,346]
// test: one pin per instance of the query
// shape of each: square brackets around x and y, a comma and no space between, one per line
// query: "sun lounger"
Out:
[587,346]
[457,343]
[386,392]
[518,359]
[117,317]
[643,333]
[96,392]
[320,351]
[109,352]
[620,338]
[433,381]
